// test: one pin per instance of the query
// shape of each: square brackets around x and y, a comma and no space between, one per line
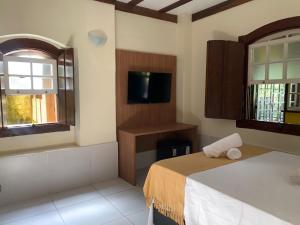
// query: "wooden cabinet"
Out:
[141,139]
[224,79]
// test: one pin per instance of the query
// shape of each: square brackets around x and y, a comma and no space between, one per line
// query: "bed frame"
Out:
[159,219]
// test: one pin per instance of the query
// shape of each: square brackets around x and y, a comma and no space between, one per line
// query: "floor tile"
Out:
[97,211]
[129,202]
[20,222]
[52,218]
[112,186]
[140,218]
[74,196]
[122,221]
[47,219]
[25,210]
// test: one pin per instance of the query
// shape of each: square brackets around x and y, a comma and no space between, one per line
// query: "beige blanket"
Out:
[165,183]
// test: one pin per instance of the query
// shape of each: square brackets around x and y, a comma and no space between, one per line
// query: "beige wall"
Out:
[139,33]
[68,22]
[229,25]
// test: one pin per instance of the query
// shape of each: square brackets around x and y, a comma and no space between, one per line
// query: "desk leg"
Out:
[127,157]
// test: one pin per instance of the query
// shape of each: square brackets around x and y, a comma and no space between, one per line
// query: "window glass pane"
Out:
[18,109]
[61,83]
[40,69]
[69,71]
[293,70]
[294,50]
[61,71]
[19,83]
[276,71]
[42,83]
[276,52]
[268,102]
[2,82]
[69,83]
[1,68]
[294,101]
[30,109]
[19,68]
[259,72]
[259,55]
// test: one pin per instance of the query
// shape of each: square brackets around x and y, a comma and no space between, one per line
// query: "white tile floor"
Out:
[113,202]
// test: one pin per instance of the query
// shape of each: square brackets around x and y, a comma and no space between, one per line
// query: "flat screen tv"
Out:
[149,87]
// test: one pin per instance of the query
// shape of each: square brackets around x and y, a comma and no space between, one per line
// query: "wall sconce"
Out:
[97,37]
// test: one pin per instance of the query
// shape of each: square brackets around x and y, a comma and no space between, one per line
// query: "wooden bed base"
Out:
[160,219]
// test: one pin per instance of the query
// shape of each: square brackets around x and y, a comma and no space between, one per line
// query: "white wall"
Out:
[68,22]
[229,25]
[37,174]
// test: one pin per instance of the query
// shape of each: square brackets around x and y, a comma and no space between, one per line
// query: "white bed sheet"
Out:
[256,191]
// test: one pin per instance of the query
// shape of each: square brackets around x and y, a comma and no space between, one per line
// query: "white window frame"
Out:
[31,91]
[285,39]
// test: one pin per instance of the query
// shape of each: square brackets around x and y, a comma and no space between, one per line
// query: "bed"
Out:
[195,190]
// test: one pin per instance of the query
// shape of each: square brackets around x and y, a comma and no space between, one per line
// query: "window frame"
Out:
[31,91]
[258,34]
[53,52]
[285,60]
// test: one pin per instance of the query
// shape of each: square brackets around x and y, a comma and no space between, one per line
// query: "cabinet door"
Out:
[233,74]
[214,77]
[224,79]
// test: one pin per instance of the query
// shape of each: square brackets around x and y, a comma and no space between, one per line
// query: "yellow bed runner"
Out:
[165,182]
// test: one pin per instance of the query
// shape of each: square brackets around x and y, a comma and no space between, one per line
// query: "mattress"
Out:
[255,191]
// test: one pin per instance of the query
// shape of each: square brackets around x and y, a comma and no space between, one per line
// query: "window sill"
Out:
[281,128]
[34,129]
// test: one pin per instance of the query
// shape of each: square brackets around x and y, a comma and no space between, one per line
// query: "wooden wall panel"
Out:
[139,115]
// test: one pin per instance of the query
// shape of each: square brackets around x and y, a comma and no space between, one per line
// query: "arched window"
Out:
[37,93]
[272,77]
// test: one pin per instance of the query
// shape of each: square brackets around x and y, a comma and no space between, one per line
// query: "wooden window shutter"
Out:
[224,79]
[1,92]
[66,95]
[70,94]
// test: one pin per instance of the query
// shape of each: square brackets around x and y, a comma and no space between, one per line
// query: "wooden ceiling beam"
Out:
[130,7]
[107,1]
[121,6]
[134,2]
[218,8]
[174,5]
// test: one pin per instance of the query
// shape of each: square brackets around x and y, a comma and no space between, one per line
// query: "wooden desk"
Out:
[133,140]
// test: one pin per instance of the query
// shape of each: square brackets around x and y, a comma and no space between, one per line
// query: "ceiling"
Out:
[188,8]
[169,10]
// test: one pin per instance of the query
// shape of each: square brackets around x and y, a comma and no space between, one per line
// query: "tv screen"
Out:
[148,87]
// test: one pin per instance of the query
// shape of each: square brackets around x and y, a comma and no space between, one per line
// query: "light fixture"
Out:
[97,37]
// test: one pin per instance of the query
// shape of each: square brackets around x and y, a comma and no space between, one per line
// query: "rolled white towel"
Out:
[234,154]
[217,148]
